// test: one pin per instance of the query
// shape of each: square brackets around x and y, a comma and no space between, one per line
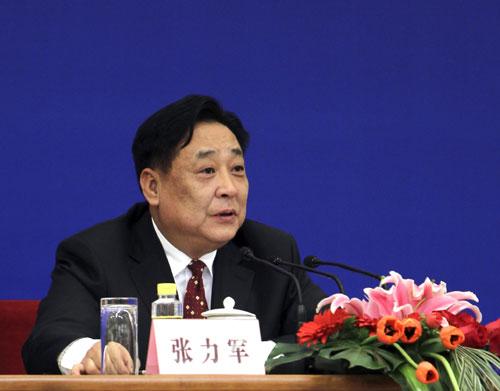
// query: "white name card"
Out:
[205,346]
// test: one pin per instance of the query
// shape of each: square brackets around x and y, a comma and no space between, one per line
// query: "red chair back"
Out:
[17,318]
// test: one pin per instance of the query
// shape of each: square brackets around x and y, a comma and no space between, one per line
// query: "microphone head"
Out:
[311,261]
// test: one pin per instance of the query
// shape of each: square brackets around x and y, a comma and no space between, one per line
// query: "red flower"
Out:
[322,326]
[389,329]
[493,329]
[311,333]
[460,319]
[426,373]
[451,337]
[476,335]
[434,320]
[412,330]
[414,315]
[370,323]
[339,316]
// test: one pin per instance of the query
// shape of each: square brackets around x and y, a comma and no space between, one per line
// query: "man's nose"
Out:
[226,187]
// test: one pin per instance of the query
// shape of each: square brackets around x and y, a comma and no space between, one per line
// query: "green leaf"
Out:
[371,340]
[284,353]
[287,348]
[362,356]
[432,345]
[445,382]
[475,369]
[328,353]
[350,331]
[349,323]
[394,360]
[342,344]
[438,386]
[280,360]
[406,378]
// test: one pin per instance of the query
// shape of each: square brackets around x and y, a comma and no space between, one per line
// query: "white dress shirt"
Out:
[178,262]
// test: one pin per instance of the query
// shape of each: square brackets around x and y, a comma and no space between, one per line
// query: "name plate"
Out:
[205,346]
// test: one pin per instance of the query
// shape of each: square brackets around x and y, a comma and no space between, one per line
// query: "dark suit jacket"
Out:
[124,257]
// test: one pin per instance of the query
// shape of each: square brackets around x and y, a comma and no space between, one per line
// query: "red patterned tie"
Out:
[194,299]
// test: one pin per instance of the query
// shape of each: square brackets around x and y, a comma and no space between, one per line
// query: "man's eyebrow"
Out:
[237,151]
[203,154]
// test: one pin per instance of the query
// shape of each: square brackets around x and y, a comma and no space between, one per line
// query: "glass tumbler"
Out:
[119,324]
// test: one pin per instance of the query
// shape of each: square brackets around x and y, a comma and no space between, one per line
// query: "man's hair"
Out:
[161,136]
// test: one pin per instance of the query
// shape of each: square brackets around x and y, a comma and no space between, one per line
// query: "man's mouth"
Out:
[226,213]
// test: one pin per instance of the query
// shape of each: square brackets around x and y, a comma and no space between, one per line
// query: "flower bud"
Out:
[389,329]
[451,337]
[412,330]
[426,373]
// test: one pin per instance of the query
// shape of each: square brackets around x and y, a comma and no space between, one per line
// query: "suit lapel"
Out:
[148,263]
[231,277]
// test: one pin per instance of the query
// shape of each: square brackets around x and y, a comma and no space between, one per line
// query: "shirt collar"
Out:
[177,260]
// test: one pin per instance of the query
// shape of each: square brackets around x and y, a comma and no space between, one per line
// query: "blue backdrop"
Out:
[375,125]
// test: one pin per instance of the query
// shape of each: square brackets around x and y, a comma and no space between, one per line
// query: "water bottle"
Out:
[167,306]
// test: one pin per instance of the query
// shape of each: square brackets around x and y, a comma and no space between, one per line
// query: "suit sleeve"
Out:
[69,311]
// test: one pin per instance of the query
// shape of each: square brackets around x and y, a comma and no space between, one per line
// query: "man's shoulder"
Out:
[264,239]
[252,227]
[114,228]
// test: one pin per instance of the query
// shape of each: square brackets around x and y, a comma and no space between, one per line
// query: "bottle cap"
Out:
[166,289]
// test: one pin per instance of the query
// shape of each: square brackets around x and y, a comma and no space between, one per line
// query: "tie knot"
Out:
[196,267]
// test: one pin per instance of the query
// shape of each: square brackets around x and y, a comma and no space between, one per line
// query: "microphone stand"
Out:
[313,261]
[279,261]
[247,253]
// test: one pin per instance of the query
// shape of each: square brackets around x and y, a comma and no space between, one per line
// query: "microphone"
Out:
[247,253]
[279,261]
[313,261]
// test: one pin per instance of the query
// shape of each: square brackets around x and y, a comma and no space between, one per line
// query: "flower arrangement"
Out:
[420,335]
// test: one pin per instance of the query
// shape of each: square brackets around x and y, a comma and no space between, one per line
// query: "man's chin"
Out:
[222,236]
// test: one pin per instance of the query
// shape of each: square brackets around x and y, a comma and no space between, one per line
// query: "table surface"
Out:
[198,382]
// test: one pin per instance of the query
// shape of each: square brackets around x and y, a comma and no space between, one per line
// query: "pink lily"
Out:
[403,298]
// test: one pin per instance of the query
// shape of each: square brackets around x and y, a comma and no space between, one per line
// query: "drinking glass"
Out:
[119,324]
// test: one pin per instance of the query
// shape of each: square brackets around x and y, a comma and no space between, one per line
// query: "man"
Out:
[189,160]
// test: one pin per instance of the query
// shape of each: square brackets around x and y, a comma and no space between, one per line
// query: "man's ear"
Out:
[150,183]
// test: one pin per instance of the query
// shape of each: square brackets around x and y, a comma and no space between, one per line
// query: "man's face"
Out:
[202,198]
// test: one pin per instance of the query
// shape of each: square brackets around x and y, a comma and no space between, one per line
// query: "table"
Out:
[198,382]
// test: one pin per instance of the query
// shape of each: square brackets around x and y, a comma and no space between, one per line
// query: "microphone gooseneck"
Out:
[247,253]
[279,261]
[313,262]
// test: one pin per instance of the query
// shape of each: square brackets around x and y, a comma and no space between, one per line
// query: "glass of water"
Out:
[119,324]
